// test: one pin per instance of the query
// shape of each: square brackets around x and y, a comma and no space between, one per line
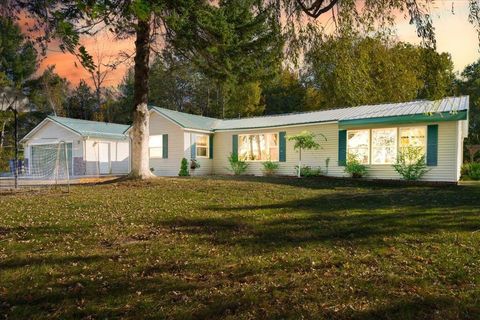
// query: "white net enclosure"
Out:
[51,163]
[46,163]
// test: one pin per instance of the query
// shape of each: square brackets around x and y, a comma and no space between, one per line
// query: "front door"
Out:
[104,157]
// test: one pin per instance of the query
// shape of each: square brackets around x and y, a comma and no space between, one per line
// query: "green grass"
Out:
[246,248]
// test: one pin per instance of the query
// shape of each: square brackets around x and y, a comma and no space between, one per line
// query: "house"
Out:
[374,133]
[92,148]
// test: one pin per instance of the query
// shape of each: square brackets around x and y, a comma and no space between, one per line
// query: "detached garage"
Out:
[90,148]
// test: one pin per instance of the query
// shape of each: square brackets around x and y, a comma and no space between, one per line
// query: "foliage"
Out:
[237,166]
[270,167]
[234,45]
[284,94]
[184,168]
[471,171]
[244,100]
[307,171]
[18,56]
[49,92]
[223,240]
[469,84]
[81,102]
[411,164]
[351,70]
[354,167]
[305,140]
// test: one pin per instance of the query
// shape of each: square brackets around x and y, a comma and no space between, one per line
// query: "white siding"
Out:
[51,132]
[119,156]
[446,170]
[171,165]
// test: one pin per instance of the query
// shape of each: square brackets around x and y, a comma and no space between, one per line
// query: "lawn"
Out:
[205,248]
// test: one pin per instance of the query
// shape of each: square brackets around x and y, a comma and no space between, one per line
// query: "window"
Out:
[358,145]
[258,147]
[155,145]
[413,137]
[384,146]
[201,143]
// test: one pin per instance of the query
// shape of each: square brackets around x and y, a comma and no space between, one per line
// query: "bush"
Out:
[307,171]
[354,167]
[237,166]
[184,168]
[269,168]
[411,163]
[471,171]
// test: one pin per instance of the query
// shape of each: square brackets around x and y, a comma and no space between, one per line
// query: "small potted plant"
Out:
[194,164]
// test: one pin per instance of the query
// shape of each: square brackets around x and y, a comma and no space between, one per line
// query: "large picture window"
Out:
[155,146]
[258,147]
[384,146]
[201,143]
[358,145]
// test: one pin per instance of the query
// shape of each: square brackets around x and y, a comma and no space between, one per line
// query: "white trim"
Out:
[207,146]
[198,130]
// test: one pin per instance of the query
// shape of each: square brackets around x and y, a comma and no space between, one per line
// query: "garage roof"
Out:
[93,129]
[86,128]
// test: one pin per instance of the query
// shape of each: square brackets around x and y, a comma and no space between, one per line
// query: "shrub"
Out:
[471,170]
[411,163]
[307,171]
[354,167]
[237,166]
[184,168]
[269,168]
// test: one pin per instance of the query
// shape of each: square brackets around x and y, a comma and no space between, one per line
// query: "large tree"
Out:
[469,84]
[66,20]
[18,56]
[353,70]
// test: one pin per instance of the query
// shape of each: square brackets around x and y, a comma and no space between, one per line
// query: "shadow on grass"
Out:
[366,216]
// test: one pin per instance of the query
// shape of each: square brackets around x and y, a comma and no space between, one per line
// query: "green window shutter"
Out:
[432,145]
[210,146]
[193,146]
[235,145]
[282,144]
[342,147]
[165,146]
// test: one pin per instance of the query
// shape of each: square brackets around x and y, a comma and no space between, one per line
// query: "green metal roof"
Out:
[93,129]
[187,120]
[447,109]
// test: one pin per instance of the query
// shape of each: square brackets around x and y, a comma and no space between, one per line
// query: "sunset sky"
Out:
[454,34]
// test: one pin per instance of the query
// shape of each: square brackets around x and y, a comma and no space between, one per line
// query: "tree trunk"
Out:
[140,130]
[2,134]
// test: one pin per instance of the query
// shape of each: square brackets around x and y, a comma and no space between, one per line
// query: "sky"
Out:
[454,34]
